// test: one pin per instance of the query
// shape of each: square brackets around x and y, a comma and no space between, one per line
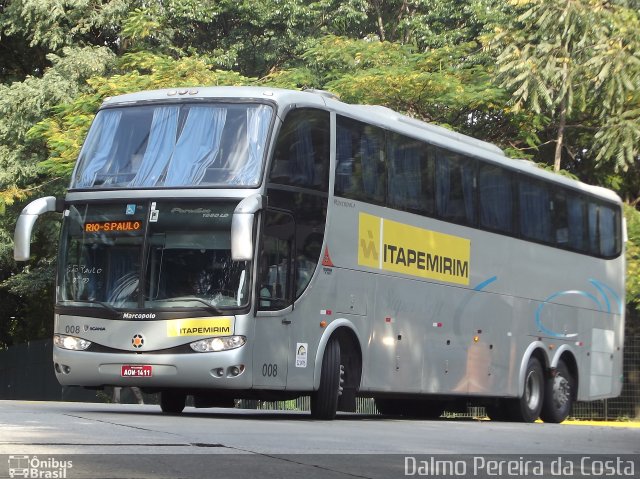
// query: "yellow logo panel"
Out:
[200,327]
[393,246]
[369,240]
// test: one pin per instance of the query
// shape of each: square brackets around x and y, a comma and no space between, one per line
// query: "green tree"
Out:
[30,30]
[24,104]
[633,257]
[562,59]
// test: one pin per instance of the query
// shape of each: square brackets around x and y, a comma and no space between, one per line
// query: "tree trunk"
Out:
[381,32]
[560,136]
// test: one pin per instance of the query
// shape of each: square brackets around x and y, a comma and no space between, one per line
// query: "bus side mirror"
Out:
[242,233]
[26,220]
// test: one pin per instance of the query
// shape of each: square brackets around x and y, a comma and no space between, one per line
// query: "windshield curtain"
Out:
[175,146]
[186,248]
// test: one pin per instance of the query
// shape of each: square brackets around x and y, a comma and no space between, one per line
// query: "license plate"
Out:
[130,371]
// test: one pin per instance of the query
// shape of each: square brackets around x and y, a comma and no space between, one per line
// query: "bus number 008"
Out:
[270,370]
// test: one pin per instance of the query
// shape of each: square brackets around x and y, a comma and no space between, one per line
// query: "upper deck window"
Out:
[301,155]
[175,145]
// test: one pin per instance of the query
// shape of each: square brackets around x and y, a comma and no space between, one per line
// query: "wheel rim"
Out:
[532,391]
[561,391]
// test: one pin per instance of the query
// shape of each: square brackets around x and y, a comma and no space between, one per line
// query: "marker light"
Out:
[70,342]
[218,344]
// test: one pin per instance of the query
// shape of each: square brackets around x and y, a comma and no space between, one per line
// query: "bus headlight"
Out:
[218,344]
[70,342]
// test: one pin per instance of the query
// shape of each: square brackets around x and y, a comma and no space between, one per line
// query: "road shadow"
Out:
[257,415]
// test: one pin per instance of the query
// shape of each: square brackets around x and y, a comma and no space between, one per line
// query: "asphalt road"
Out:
[136,441]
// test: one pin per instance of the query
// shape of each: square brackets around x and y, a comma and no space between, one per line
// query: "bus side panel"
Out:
[488,321]
[397,330]
[439,339]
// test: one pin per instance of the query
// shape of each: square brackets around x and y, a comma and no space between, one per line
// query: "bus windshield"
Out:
[180,252]
[174,145]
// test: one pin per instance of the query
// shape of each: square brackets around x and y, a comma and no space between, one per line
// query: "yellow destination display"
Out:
[200,327]
[392,246]
[112,226]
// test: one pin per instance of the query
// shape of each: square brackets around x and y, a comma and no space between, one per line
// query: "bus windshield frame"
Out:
[179,250]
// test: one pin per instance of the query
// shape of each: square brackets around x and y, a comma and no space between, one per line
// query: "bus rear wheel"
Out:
[324,401]
[172,402]
[558,395]
[527,408]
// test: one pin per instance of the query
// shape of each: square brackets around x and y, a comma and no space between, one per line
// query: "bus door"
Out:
[274,300]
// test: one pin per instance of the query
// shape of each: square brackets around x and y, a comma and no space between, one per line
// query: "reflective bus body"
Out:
[252,243]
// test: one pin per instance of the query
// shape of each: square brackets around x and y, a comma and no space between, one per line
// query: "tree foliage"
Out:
[577,60]
[24,104]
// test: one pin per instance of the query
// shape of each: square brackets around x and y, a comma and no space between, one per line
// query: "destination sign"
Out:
[112,226]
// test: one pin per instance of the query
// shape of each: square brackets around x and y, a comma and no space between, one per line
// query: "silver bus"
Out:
[239,242]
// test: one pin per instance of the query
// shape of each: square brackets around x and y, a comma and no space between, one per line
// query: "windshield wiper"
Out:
[106,306]
[210,307]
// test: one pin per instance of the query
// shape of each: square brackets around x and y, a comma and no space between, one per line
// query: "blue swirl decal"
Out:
[602,289]
[607,293]
[485,283]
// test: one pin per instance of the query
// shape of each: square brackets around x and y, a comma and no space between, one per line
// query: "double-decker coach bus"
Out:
[237,242]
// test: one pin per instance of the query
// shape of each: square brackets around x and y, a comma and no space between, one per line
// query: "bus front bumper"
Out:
[215,370]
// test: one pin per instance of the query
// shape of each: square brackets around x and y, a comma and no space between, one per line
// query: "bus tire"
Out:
[324,401]
[558,395]
[172,402]
[527,408]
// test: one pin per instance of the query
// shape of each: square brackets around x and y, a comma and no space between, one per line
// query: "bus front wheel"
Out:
[324,401]
[558,395]
[172,402]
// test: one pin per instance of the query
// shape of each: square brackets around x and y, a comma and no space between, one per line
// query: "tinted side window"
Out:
[411,170]
[495,188]
[570,221]
[577,222]
[310,212]
[560,216]
[455,187]
[608,231]
[535,210]
[360,161]
[302,150]
[608,241]
[275,275]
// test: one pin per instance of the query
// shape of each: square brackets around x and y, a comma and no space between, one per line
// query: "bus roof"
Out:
[374,114]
